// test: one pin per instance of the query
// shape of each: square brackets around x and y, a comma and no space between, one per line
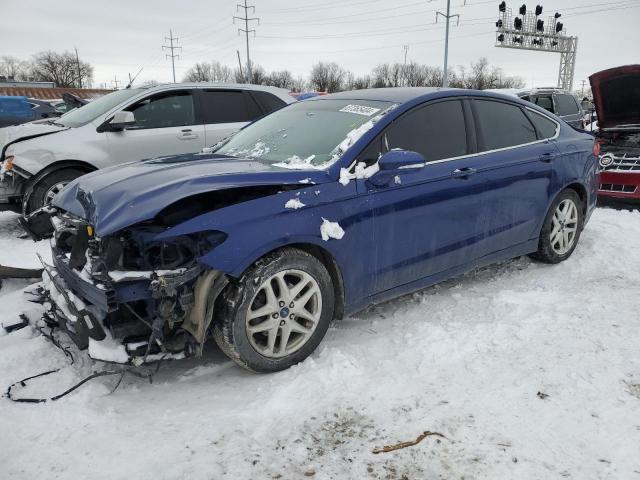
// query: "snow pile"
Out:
[360,171]
[108,350]
[330,230]
[294,204]
[258,150]
[294,162]
[16,251]
[465,358]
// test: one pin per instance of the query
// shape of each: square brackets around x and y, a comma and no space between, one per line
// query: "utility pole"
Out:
[239,64]
[448,17]
[78,66]
[406,49]
[246,30]
[172,56]
[115,81]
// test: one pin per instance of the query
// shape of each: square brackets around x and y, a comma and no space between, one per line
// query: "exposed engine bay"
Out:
[142,300]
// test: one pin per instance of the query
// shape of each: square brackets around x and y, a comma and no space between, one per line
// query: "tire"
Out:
[551,247]
[257,343]
[44,186]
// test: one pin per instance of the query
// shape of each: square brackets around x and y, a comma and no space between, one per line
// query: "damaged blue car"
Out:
[309,214]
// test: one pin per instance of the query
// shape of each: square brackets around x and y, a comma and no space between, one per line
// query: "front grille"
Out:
[623,164]
[614,187]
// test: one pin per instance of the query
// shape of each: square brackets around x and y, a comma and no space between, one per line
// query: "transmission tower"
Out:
[172,56]
[448,17]
[246,30]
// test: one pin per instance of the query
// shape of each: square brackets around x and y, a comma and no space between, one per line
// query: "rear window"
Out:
[566,105]
[502,125]
[545,126]
[268,101]
[15,107]
[228,106]
[544,101]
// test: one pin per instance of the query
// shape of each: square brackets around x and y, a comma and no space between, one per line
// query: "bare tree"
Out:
[61,68]
[12,67]
[483,76]
[298,85]
[281,79]
[208,72]
[328,77]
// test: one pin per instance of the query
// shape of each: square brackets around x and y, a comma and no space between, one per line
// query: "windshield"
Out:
[92,110]
[307,134]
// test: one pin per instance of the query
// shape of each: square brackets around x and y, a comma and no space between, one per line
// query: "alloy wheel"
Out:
[564,227]
[48,197]
[284,313]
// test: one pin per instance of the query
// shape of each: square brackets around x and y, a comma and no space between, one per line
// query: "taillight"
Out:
[596,149]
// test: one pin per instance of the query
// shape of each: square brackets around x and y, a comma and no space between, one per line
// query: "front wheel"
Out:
[561,230]
[277,313]
[48,186]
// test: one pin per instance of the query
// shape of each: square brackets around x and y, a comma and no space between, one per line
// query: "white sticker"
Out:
[360,110]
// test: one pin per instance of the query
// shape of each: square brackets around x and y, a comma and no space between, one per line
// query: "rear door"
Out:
[165,125]
[224,111]
[567,108]
[517,151]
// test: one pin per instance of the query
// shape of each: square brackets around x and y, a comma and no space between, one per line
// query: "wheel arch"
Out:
[582,193]
[59,165]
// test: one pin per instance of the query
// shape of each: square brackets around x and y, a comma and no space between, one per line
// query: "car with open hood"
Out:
[616,95]
[311,213]
[39,159]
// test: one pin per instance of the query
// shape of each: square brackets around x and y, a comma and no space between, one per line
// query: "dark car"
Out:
[14,111]
[616,94]
[560,102]
[309,214]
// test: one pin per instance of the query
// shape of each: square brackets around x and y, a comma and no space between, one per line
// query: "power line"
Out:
[172,56]
[246,30]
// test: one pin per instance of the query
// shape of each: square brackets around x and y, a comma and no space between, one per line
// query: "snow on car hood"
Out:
[24,131]
[616,94]
[120,196]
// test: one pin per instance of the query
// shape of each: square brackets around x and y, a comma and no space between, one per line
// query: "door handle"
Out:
[187,134]
[547,157]
[463,172]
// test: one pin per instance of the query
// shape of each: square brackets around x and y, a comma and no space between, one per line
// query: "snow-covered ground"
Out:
[466,358]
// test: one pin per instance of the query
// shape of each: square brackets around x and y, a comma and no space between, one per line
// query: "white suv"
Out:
[40,158]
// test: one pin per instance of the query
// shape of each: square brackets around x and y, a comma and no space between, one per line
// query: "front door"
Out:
[427,220]
[165,125]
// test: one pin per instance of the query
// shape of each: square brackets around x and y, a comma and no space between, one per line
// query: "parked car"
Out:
[309,214]
[555,100]
[16,110]
[126,125]
[616,94]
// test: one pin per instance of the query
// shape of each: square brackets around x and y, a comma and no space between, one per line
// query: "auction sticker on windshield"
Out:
[360,110]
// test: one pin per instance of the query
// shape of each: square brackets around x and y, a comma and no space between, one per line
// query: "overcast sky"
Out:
[118,37]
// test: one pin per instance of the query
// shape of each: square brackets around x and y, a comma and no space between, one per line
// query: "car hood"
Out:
[25,131]
[121,196]
[616,94]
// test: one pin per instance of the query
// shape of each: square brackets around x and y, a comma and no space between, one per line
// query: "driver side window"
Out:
[168,109]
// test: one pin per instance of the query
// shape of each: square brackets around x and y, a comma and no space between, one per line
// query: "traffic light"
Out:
[517,40]
[523,9]
[502,7]
[559,26]
[538,10]
[540,25]
[501,38]
[557,15]
[517,23]
[499,24]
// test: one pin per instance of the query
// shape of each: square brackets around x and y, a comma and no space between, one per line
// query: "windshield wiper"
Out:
[53,122]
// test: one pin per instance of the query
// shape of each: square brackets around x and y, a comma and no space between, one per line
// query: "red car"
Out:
[616,94]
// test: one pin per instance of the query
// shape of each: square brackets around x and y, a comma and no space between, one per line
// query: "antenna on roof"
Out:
[131,80]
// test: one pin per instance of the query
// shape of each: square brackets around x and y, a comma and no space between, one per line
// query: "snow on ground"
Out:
[19,252]
[465,358]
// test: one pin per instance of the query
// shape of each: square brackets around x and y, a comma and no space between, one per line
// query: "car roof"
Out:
[391,94]
[282,93]
[13,97]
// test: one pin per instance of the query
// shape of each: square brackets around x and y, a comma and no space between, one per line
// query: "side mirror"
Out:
[395,162]
[122,120]
[401,160]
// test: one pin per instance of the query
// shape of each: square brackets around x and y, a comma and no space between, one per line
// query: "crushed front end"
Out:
[128,298]
[619,164]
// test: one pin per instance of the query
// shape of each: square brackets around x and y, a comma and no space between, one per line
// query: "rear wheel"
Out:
[561,230]
[277,313]
[49,185]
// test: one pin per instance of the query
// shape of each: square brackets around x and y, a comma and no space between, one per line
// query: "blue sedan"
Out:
[310,214]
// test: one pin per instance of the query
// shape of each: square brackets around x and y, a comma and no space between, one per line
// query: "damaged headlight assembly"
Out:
[151,296]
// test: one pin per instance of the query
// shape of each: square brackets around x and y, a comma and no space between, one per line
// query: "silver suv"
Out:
[561,102]
[40,158]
